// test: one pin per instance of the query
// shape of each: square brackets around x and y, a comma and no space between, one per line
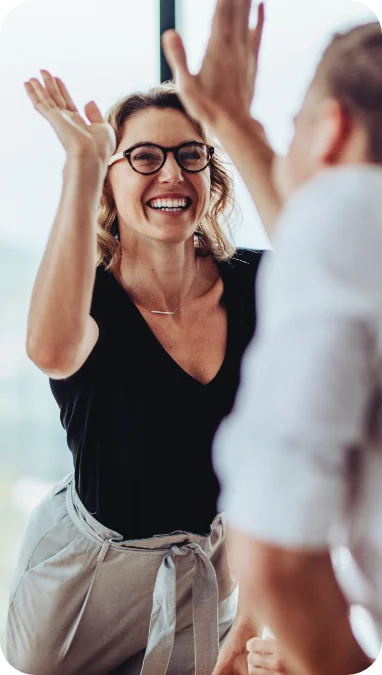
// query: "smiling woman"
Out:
[140,114]
[140,314]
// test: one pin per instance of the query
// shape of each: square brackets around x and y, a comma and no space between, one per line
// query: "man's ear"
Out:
[332,132]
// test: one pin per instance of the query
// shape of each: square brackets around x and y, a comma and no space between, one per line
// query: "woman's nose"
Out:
[171,171]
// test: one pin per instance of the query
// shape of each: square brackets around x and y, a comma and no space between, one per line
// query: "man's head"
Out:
[340,121]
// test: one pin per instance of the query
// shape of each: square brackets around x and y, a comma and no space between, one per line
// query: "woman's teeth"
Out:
[169,204]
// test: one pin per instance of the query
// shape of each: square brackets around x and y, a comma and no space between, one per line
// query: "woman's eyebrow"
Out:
[132,145]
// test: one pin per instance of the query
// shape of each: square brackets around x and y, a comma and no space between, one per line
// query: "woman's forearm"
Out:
[62,292]
[245,142]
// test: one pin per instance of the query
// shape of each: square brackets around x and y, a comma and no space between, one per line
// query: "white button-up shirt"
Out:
[300,457]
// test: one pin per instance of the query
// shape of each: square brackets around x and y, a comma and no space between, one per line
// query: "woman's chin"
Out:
[172,233]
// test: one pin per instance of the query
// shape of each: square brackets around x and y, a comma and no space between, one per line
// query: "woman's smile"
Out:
[171,204]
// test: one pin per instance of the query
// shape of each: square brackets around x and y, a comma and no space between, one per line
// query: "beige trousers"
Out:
[85,602]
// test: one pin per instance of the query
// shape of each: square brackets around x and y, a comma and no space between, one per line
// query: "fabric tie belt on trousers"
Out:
[163,615]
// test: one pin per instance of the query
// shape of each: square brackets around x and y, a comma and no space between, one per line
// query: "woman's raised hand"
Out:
[225,84]
[94,139]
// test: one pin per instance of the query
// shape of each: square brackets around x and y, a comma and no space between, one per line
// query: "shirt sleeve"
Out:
[93,367]
[285,455]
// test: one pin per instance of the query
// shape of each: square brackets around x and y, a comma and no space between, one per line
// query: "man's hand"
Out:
[220,96]
[224,87]
[264,657]
[233,654]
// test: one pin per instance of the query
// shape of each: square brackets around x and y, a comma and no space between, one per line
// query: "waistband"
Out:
[158,541]
[163,616]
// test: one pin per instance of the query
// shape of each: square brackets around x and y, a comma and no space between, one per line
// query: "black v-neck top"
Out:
[140,428]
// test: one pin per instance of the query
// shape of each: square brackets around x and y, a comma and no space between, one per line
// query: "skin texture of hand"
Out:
[225,83]
[79,138]
[233,654]
[220,95]
[264,657]
[297,594]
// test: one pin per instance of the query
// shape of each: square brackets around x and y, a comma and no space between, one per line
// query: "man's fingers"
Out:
[231,21]
[240,25]
[223,18]
[267,646]
[256,34]
[190,92]
[175,53]
[265,654]
[266,662]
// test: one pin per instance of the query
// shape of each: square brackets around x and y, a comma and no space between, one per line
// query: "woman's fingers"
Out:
[39,97]
[52,89]
[93,113]
[63,121]
[252,670]
[66,96]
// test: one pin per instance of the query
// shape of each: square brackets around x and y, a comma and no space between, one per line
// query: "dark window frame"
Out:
[167,20]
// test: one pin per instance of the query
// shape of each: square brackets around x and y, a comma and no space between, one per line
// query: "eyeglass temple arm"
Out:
[115,158]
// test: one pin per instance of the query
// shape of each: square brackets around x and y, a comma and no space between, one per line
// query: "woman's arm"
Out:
[59,321]
[61,332]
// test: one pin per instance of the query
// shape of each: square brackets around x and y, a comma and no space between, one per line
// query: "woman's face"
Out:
[135,193]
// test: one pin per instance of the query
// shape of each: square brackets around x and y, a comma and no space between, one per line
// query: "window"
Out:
[295,35]
[101,51]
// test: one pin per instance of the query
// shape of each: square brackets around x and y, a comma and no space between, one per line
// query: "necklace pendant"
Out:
[155,311]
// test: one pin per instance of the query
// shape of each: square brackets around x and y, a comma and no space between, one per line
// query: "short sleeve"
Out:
[92,368]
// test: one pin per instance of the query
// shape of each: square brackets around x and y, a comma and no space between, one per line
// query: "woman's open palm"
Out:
[95,138]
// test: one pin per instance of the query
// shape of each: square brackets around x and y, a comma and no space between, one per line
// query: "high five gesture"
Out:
[79,137]
[221,94]
[225,84]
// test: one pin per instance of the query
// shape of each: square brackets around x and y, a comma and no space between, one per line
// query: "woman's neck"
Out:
[159,275]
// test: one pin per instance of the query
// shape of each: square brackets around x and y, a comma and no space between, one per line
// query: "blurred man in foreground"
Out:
[300,458]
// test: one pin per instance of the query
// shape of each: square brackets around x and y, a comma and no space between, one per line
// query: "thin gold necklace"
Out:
[157,311]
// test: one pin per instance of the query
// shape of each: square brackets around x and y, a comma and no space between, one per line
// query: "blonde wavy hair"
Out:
[214,234]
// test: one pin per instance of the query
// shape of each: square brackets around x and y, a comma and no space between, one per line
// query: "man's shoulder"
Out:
[338,209]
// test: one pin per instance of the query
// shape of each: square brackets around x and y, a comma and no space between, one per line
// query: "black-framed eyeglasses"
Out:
[148,158]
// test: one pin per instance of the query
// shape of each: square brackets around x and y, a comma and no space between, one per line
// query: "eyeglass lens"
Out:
[148,158]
